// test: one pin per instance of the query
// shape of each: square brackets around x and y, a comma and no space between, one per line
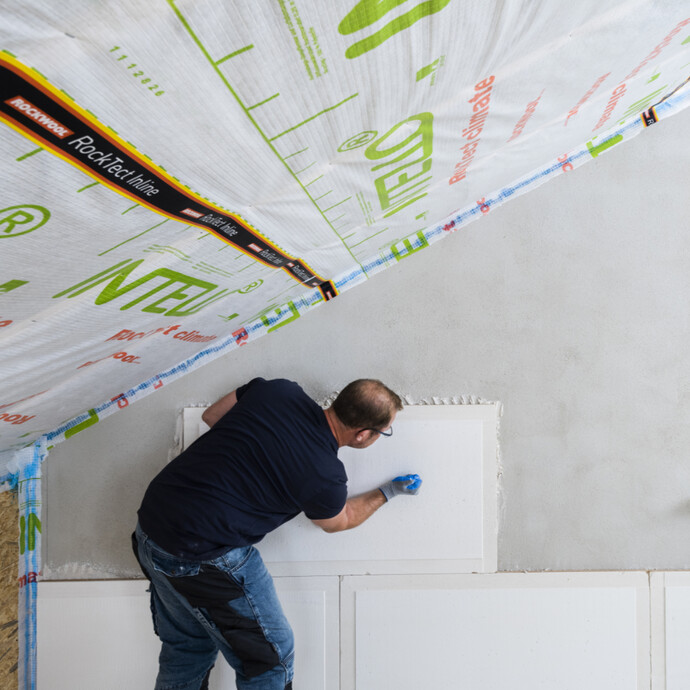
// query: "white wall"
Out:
[511,631]
[516,630]
[569,305]
[102,623]
[449,527]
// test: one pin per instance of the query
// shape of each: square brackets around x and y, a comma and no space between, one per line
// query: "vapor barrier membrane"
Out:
[182,177]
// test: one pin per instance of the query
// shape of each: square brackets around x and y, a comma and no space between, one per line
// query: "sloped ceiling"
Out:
[180,178]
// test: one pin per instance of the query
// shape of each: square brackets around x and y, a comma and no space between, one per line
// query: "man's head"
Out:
[366,407]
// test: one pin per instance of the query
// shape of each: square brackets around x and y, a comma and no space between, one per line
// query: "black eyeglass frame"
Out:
[387,434]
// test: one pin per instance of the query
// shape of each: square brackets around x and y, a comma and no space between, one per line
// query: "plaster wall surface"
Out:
[569,305]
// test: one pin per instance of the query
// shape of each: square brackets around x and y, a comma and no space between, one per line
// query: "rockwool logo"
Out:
[36,114]
[190,212]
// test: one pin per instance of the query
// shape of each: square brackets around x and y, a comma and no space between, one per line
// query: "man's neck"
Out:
[338,429]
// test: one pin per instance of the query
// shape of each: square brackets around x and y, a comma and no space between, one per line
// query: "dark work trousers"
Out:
[227,604]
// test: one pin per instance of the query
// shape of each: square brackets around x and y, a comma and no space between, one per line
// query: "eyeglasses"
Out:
[378,431]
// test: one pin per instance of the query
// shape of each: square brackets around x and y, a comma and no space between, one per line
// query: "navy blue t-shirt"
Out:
[272,456]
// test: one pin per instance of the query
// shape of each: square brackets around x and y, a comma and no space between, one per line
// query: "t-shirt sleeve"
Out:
[239,392]
[327,503]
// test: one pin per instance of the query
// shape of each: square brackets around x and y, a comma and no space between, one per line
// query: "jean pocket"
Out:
[234,559]
[171,566]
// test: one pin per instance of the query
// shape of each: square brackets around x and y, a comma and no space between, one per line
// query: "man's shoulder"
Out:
[284,399]
[273,387]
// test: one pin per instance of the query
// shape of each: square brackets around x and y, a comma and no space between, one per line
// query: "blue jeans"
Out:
[227,604]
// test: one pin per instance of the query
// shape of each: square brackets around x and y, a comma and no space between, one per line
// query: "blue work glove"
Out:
[408,484]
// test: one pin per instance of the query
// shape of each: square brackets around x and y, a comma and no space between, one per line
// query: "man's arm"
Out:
[357,509]
[219,408]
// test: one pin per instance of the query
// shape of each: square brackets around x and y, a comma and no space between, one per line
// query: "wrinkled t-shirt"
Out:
[271,457]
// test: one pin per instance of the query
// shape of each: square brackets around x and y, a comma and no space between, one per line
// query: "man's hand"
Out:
[408,484]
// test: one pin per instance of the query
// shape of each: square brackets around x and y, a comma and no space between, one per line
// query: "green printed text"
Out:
[406,160]
[164,291]
[368,12]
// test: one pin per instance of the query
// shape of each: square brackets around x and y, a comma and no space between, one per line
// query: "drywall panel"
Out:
[671,630]
[504,632]
[98,634]
[312,607]
[450,526]
[95,634]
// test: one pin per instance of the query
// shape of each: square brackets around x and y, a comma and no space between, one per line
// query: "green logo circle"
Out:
[361,139]
[252,286]
[18,220]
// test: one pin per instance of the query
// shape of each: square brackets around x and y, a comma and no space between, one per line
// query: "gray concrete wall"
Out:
[570,305]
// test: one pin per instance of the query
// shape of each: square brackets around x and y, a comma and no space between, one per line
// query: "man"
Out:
[271,453]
